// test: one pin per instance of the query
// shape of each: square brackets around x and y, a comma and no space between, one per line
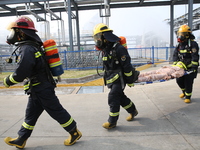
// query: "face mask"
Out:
[99,41]
[100,44]
[182,37]
[12,38]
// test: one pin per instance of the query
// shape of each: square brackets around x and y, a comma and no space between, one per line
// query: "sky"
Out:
[123,21]
[141,20]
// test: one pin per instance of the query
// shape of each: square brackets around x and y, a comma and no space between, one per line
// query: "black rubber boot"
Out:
[75,135]
[182,95]
[108,125]
[132,116]
[18,142]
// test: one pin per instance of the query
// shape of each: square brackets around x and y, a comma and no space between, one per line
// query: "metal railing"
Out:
[89,59]
[150,54]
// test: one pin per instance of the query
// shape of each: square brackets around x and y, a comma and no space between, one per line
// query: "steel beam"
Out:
[78,5]
[9,9]
[190,13]
[28,10]
[78,30]
[39,5]
[171,31]
[141,2]
[70,25]
[8,2]
[171,25]
[63,31]
[53,15]
[88,7]
[174,1]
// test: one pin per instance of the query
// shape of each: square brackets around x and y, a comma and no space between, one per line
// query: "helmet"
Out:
[184,28]
[23,22]
[102,34]
[183,33]
[22,29]
[101,27]
[98,35]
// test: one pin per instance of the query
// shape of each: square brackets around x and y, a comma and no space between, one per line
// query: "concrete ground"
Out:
[164,121]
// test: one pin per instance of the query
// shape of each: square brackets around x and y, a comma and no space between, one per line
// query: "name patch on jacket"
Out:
[123,58]
[194,50]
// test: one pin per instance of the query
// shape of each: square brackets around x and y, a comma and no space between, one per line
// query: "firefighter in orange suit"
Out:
[187,51]
[40,87]
[118,72]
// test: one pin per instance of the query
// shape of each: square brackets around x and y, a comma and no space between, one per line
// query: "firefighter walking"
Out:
[118,72]
[40,85]
[187,51]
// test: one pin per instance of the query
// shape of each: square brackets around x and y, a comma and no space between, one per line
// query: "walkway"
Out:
[164,121]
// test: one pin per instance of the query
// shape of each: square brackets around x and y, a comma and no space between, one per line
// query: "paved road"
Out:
[164,121]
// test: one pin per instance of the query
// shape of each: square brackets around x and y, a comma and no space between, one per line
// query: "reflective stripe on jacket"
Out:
[116,60]
[189,55]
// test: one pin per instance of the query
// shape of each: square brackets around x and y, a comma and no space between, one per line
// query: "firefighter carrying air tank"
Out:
[118,72]
[40,87]
[187,51]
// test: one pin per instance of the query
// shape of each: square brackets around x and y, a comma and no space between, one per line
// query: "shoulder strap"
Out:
[114,54]
[35,44]
[47,68]
[114,49]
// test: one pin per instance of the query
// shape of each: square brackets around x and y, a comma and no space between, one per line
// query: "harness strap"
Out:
[47,69]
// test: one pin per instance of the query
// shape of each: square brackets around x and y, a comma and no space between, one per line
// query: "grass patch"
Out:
[78,73]
[67,74]
[3,75]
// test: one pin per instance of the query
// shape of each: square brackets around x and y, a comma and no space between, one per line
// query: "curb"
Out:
[91,80]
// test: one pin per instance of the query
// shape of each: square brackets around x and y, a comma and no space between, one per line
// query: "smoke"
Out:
[87,23]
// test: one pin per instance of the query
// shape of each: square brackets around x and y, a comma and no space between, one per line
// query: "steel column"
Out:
[171,30]
[190,13]
[63,32]
[77,30]
[171,25]
[70,25]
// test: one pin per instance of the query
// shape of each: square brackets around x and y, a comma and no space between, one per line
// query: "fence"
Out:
[145,55]
[89,59]
[86,59]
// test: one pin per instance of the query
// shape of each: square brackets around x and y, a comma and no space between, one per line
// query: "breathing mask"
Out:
[182,36]
[99,41]
[13,37]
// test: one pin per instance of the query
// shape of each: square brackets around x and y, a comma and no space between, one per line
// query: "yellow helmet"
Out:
[101,27]
[184,33]
[184,28]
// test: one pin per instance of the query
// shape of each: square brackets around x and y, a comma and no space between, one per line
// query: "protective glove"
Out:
[193,69]
[135,75]
[130,84]
[175,62]
[5,84]
[181,65]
